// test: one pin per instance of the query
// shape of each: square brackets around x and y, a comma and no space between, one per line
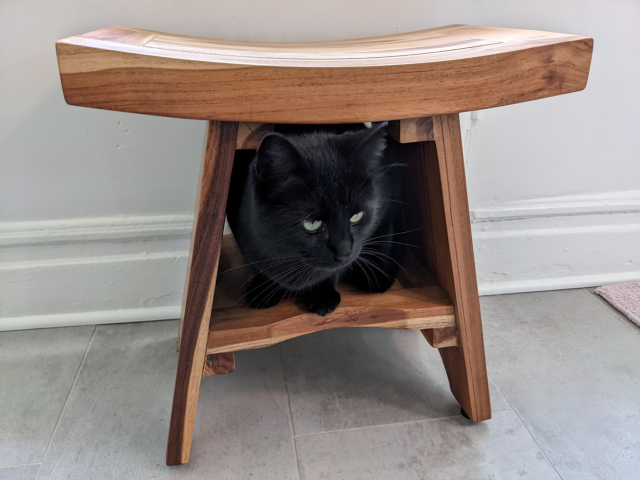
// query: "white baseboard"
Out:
[88,271]
[126,269]
[556,243]
[571,205]
[90,318]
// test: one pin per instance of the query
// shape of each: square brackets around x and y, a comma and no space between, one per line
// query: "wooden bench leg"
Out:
[215,174]
[442,337]
[444,212]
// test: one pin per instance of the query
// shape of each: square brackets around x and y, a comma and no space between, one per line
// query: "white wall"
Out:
[95,206]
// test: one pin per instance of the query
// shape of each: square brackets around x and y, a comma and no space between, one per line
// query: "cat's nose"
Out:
[341,249]
[341,258]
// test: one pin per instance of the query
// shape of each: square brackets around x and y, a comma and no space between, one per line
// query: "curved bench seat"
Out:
[438,71]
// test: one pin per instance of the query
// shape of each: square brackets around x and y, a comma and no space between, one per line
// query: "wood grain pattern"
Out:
[219,364]
[410,75]
[208,227]
[440,192]
[250,135]
[442,337]
[412,130]
[193,238]
[412,303]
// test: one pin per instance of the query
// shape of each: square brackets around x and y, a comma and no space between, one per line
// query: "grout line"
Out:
[19,465]
[613,311]
[525,427]
[292,431]
[425,420]
[75,379]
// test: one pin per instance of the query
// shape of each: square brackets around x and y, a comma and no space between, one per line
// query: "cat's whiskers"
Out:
[367,264]
[263,270]
[301,279]
[392,234]
[390,242]
[293,276]
[366,275]
[290,270]
[259,261]
[272,286]
[299,276]
[304,277]
[376,253]
[372,264]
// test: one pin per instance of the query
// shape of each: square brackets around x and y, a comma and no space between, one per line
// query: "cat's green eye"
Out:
[356,218]
[312,225]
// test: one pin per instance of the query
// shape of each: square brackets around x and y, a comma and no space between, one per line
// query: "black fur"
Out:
[317,176]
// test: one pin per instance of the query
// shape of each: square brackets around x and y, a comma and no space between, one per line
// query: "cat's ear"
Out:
[372,144]
[277,157]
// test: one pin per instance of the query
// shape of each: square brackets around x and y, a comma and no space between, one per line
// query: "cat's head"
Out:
[320,196]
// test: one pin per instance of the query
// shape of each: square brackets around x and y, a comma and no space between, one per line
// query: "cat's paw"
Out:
[321,303]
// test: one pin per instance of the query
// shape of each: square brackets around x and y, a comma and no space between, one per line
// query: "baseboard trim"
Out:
[557,243]
[95,229]
[570,205]
[560,283]
[90,318]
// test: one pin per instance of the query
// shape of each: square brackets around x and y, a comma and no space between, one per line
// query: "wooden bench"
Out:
[419,81]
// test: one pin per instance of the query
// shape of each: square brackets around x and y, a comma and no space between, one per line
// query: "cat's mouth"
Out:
[337,264]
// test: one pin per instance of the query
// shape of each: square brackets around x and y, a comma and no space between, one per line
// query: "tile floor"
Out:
[94,403]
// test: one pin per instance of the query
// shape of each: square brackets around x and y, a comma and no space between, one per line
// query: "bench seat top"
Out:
[442,70]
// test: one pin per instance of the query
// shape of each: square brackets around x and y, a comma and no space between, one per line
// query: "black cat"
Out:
[311,209]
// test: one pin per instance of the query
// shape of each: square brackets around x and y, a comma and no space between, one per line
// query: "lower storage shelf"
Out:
[414,302]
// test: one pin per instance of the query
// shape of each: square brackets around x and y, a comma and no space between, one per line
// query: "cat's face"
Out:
[321,196]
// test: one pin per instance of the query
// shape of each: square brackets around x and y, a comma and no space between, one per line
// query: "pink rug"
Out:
[625,297]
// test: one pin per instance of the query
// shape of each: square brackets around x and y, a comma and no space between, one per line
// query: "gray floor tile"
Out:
[571,372]
[448,449]
[355,377]
[614,311]
[498,402]
[116,421]
[21,472]
[37,368]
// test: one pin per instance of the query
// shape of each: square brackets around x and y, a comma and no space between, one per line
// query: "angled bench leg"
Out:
[215,174]
[440,191]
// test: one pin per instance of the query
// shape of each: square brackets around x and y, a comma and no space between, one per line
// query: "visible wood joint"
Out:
[219,364]
[250,135]
[442,337]
[412,130]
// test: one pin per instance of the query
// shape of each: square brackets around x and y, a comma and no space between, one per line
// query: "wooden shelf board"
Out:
[414,302]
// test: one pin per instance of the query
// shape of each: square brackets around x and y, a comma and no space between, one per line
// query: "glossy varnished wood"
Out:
[413,302]
[208,227]
[439,189]
[409,75]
